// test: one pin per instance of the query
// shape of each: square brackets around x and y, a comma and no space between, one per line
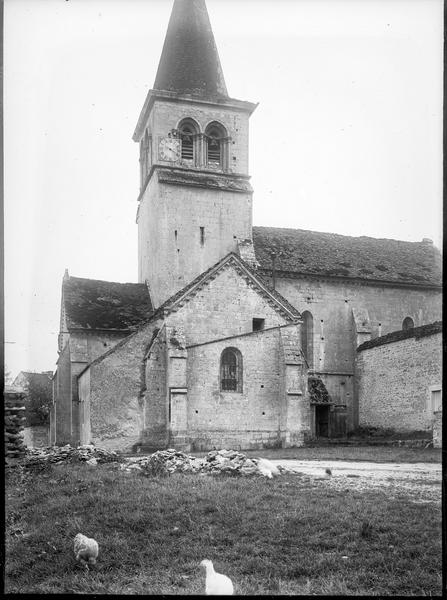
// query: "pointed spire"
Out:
[189,62]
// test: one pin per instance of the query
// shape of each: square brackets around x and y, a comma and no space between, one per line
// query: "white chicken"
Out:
[85,549]
[267,468]
[216,584]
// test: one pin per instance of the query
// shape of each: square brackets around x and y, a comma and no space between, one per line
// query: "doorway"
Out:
[321,420]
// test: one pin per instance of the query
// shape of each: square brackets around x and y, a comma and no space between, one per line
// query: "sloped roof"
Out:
[189,62]
[334,255]
[396,336]
[96,304]
[203,278]
[28,377]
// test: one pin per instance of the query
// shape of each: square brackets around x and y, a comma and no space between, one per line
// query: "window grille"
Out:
[187,143]
[231,370]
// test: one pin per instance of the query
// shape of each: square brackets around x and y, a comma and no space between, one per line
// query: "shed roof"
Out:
[330,254]
[96,304]
[403,334]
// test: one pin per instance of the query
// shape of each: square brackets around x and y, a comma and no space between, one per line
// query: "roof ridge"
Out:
[344,235]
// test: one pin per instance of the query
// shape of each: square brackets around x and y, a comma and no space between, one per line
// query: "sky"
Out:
[347,136]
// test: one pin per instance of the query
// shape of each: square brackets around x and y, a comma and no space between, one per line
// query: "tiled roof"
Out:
[330,254]
[189,62]
[396,336]
[28,377]
[95,304]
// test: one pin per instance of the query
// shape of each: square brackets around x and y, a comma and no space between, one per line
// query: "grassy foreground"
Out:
[281,536]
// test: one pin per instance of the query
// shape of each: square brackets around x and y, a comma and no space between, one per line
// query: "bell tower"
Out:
[195,201]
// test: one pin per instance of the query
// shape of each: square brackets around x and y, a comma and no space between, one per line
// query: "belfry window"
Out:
[231,370]
[215,146]
[307,337]
[408,323]
[188,136]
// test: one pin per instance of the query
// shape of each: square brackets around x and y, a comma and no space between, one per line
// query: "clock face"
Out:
[169,149]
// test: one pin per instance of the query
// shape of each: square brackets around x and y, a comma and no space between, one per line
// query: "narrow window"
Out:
[307,334]
[202,236]
[215,147]
[186,136]
[408,323]
[258,324]
[175,235]
[231,370]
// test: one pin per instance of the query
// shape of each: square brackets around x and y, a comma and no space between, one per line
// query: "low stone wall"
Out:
[437,429]
[14,411]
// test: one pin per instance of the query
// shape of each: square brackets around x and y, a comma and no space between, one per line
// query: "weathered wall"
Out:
[116,381]
[393,382]
[225,306]
[168,260]
[231,419]
[155,419]
[437,429]
[335,338]
[82,348]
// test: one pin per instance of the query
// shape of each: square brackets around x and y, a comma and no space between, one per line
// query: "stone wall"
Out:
[333,305]
[437,429]
[81,348]
[247,419]
[113,392]
[14,415]
[394,378]
[168,260]
[225,306]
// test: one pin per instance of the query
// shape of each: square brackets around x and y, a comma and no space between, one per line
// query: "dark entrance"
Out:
[321,420]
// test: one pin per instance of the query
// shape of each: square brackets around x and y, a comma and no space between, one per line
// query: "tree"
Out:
[39,400]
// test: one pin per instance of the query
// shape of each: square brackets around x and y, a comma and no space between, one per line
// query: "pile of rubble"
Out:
[59,454]
[216,462]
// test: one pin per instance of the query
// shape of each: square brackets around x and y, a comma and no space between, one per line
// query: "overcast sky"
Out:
[347,136]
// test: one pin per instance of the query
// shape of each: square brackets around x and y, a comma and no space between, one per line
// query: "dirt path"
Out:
[421,480]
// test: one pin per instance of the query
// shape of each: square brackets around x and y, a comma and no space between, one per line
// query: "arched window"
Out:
[187,133]
[231,370]
[215,146]
[407,323]
[307,337]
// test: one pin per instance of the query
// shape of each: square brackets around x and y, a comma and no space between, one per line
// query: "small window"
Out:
[202,236]
[408,323]
[258,324]
[231,370]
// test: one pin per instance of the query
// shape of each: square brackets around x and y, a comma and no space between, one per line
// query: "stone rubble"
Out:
[58,454]
[163,462]
[216,462]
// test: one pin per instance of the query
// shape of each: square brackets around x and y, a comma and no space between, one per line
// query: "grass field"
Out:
[281,536]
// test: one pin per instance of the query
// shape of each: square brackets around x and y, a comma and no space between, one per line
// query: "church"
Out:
[236,336]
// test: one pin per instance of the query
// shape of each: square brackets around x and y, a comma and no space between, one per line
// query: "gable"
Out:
[225,304]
